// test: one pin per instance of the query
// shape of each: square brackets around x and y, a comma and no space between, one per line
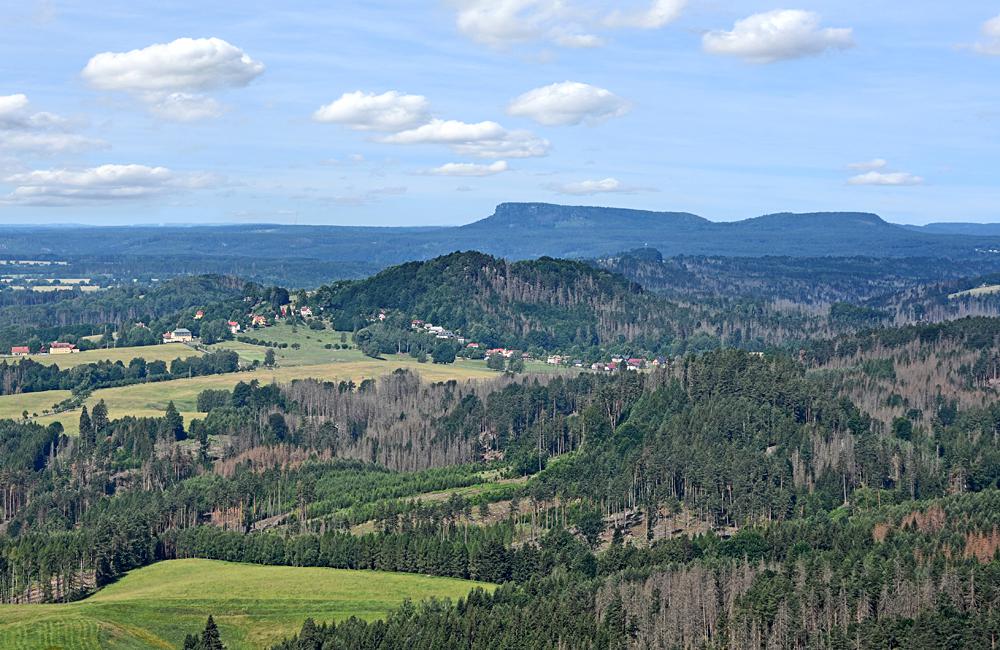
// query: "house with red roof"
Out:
[20,350]
[58,347]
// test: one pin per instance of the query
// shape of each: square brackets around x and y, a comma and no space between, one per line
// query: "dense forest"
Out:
[805,467]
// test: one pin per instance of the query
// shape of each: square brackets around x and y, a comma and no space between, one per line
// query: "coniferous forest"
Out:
[783,462]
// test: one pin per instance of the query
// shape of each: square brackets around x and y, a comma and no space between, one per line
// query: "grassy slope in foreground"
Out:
[254,606]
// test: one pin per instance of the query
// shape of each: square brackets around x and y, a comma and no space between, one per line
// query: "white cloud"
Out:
[510,144]
[391,111]
[47,143]
[569,102]
[877,163]
[470,169]
[24,130]
[660,13]
[776,36]
[603,186]
[446,132]
[171,78]
[886,178]
[567,23]
[185,107]
[105,183]
[991,35]
[481,139]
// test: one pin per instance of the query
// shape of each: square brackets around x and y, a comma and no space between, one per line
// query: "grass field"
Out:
[312,345]
[165,352]
[311,360]
[254,606]
[151,399]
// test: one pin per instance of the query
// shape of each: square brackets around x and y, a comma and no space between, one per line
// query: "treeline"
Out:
[28,376]
[914,576]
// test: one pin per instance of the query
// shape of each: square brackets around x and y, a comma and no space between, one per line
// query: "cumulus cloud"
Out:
[172,78]
[446,132]
[391,111]
[603,186]
[777,36]
[877,163]
[106,183]
[569,102]
[886,178]
[481,139]
[990,45]
[566,23]
[470,169]
[28,131]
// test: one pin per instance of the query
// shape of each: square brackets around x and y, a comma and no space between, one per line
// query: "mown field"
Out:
[254,606]
[310,359]
[151,399]
[164,352]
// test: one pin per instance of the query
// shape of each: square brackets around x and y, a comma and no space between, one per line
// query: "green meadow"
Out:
[254,606]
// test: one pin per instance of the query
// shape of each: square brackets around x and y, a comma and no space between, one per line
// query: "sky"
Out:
[414,113]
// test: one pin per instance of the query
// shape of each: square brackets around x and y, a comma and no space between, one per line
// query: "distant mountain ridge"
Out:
[522,231]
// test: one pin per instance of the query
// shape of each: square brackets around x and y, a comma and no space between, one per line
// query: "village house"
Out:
[473,346]
[416,324]
[636,364]
[20,350]
[198,315]
[554,360]
[306,312]
[179,335]
[58,347]
[234,327]
[258,321]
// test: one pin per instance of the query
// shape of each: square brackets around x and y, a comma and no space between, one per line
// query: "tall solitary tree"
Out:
[269,358]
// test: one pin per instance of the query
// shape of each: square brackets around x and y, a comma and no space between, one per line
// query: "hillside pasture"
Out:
[253,605]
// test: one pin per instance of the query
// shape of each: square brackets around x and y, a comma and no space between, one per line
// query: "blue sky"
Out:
[430,113]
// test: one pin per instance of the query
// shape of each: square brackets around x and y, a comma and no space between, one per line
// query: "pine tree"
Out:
[210,638]
[192,642]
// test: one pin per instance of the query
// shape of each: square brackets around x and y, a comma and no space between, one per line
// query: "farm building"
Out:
[58,347]
[20,350]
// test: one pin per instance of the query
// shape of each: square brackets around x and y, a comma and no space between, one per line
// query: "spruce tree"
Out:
[174,422]
[99,418]
[86,429]
[210,638]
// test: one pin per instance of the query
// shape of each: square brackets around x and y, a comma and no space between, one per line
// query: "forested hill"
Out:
[548,303]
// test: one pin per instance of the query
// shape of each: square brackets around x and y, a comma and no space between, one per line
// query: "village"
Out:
[615,363]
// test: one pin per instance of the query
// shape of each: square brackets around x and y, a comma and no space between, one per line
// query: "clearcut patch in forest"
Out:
[253,605]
